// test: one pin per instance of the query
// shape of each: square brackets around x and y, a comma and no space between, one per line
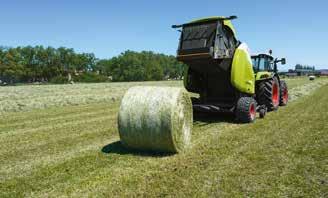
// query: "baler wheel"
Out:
[246,109]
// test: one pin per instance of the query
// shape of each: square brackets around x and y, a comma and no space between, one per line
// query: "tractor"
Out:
[220,69]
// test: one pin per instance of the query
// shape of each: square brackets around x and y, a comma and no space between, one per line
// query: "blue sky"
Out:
[297,30]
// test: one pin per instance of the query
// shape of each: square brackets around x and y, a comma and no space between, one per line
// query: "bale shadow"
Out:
[117,148]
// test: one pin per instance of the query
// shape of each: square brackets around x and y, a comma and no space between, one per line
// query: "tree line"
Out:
[304,67]
[59,65]
[141,66]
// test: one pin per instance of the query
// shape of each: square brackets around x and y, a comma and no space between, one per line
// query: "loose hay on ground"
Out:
[305,89]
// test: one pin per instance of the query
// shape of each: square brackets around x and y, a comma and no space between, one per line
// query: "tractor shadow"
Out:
[117,148]
[208,118]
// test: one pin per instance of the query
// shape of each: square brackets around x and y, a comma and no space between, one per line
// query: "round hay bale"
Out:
[311,77]
[155,118]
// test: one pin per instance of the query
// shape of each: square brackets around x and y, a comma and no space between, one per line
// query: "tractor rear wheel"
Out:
[283,93]
[246,109]
[268,94]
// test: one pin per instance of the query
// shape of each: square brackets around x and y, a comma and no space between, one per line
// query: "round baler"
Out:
[220,70]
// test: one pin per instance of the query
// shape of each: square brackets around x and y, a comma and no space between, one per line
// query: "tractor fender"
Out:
[242,73]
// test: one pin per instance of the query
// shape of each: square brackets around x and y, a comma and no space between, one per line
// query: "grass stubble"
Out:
[74,151]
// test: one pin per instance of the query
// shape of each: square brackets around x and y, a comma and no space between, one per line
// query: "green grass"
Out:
[26,98]
[296,81]
[74,151]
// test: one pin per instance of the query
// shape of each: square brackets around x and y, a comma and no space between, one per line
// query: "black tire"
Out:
[246,110]
[283,94]
[262,113]
[268,94]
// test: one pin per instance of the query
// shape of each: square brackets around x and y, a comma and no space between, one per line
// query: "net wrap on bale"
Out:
[155,118]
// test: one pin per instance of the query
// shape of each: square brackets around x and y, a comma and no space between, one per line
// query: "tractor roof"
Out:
[262,55]
[226,21]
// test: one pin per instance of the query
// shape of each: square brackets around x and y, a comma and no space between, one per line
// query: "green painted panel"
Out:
[242,74]
[263,75]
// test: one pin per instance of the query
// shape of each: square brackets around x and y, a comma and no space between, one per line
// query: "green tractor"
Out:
[221,70]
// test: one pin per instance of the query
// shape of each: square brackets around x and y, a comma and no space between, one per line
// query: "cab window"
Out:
[270,66]
[255,62]
[263,64]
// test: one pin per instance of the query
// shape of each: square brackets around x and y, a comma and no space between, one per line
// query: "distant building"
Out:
[301,70]
[291,74]
[323,72]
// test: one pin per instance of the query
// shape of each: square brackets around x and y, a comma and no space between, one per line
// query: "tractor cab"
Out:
[266,62]
[262,62]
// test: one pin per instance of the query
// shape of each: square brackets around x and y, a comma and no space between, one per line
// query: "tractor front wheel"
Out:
[268,94]
[246,109]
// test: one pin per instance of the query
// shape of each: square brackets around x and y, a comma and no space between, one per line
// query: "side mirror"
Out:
[283,61]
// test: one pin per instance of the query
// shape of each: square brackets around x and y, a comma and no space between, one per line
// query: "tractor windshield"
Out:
[262,63]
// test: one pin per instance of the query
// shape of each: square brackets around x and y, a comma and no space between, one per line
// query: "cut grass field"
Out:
[26,98]
[74,151]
